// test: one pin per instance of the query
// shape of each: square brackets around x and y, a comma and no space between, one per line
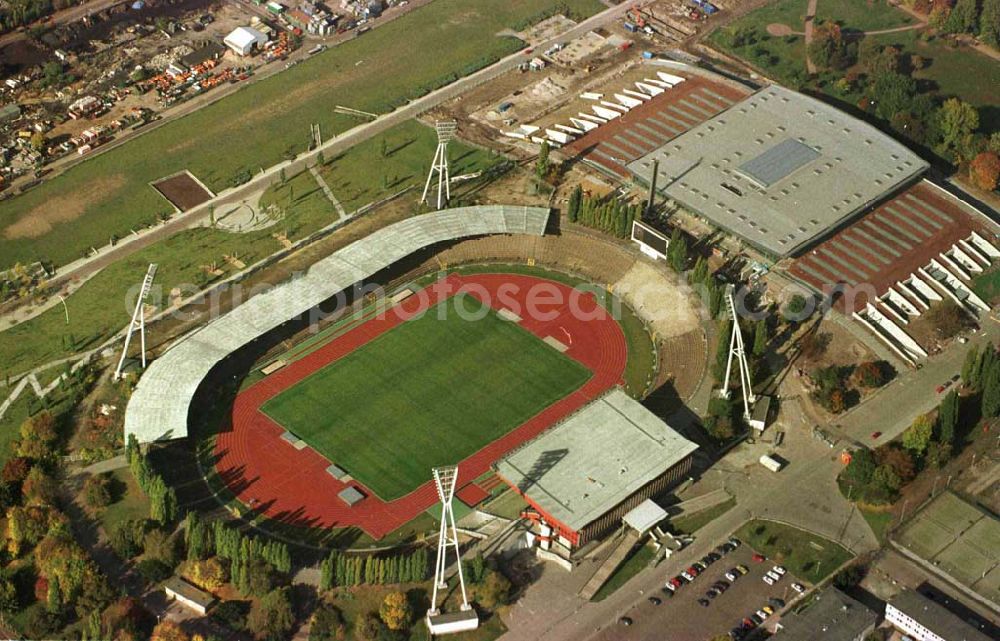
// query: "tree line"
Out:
[162,498]
[610,216]
[339,569]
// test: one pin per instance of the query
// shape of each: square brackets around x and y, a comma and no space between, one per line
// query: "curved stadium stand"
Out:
[158,409]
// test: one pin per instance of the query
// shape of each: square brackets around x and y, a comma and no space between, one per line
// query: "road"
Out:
[354,136]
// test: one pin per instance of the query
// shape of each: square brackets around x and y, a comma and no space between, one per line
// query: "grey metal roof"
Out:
[190,592]
[586,465]
[935,617]
[158,409]
[749,169]
[778,161]
[832,616]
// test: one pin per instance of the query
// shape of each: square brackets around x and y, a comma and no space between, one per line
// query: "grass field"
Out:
[806,555]
[264,122]
[100,307]
[629,568]
[691,523]
[445,389]
[858,15]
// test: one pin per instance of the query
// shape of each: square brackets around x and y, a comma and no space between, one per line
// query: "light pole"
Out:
[65,308]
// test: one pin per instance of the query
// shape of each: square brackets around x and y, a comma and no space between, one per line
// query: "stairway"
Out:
[624,546]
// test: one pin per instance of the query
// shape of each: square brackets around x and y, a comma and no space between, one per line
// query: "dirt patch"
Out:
[779,30]
[659,299]
[183,191]
[63,209]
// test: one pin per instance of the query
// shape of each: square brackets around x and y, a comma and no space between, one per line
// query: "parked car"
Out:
[774,575]
[780,571]
[768,609]
[731,575]
[668,591]
[758,558]
[875,435]
[712,593]
[763,615]
[694,570]
[756,619]
[742,569]
[704,602]
[687,576]
[735,542]
[776,602]
[669,587]
[626,621]
[655,600]
[698,565]
[768,580]
[677,581]
[798,587]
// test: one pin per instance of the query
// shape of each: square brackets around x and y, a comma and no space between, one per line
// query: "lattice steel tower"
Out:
[445,132]
[737,351]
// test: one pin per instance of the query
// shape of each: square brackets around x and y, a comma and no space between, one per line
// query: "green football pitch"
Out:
[426,393]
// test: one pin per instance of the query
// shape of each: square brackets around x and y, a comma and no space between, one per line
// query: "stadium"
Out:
[340,429]
[806,188]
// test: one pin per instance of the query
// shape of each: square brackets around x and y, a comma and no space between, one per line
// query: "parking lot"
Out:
[682,618]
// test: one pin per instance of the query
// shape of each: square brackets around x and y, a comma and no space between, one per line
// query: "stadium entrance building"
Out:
[586,473]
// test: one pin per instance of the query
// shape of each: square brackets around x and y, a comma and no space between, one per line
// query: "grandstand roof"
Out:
[158,408]
[585,466]
[779,168]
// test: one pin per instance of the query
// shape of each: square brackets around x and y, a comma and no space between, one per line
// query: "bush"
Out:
[232,614]
[97,491]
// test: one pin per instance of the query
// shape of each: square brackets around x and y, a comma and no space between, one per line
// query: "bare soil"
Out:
[183,191]
[40,220]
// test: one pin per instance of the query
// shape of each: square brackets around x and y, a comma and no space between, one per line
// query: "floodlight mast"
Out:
[445,479]
[138,321]
[445,132]
[737,351]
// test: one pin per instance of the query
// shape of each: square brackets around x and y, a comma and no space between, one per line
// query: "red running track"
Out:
[269,475]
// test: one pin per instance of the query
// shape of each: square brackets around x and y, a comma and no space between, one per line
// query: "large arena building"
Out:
[588,472]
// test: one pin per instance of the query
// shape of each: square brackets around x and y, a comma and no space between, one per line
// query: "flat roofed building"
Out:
[926,620]
[832,616]
[779,169]
[586,473]
[192,597]
[243,40]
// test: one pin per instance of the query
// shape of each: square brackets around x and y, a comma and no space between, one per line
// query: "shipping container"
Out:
[631,28]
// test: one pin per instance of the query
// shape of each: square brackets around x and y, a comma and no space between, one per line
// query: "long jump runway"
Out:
[291,485]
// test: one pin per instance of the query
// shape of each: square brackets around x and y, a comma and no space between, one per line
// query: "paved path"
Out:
[328,191]
[810,22]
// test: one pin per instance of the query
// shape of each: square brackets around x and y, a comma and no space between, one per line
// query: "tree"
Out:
[891,92]
[760,338]
[542,162]
[39,488]
[917,437]
[991,387]
[947,419]
[97,491]
[795,309]
[573,206]
[970,373]
[877,59]
[494,591]
[956,120]
[167,630]
[989,23]
[861,467]
[368,627]
[962,18]
[38,434]
[9,602]
[984,170]
[885,477]
[828,49]
[677,251]
[899,460]
[159,545]
[327,624]
[208,574]
[38,141]
[271,616]
[396,611]
[849,577]
[127,617]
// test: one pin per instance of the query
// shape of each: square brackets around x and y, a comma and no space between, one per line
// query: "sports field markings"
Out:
[437,391]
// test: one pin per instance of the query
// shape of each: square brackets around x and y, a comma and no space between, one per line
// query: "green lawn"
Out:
[987,285]
[806,555]
[264,122]
[859,15]
[100,307]
[629,568]
[950,70]
[691,523]
[445,389]
[131,504]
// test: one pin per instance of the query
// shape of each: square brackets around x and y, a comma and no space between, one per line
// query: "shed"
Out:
[243,40]
[183,592]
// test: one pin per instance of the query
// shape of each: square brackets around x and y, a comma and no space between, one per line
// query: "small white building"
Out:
[243,40]
[183,592]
